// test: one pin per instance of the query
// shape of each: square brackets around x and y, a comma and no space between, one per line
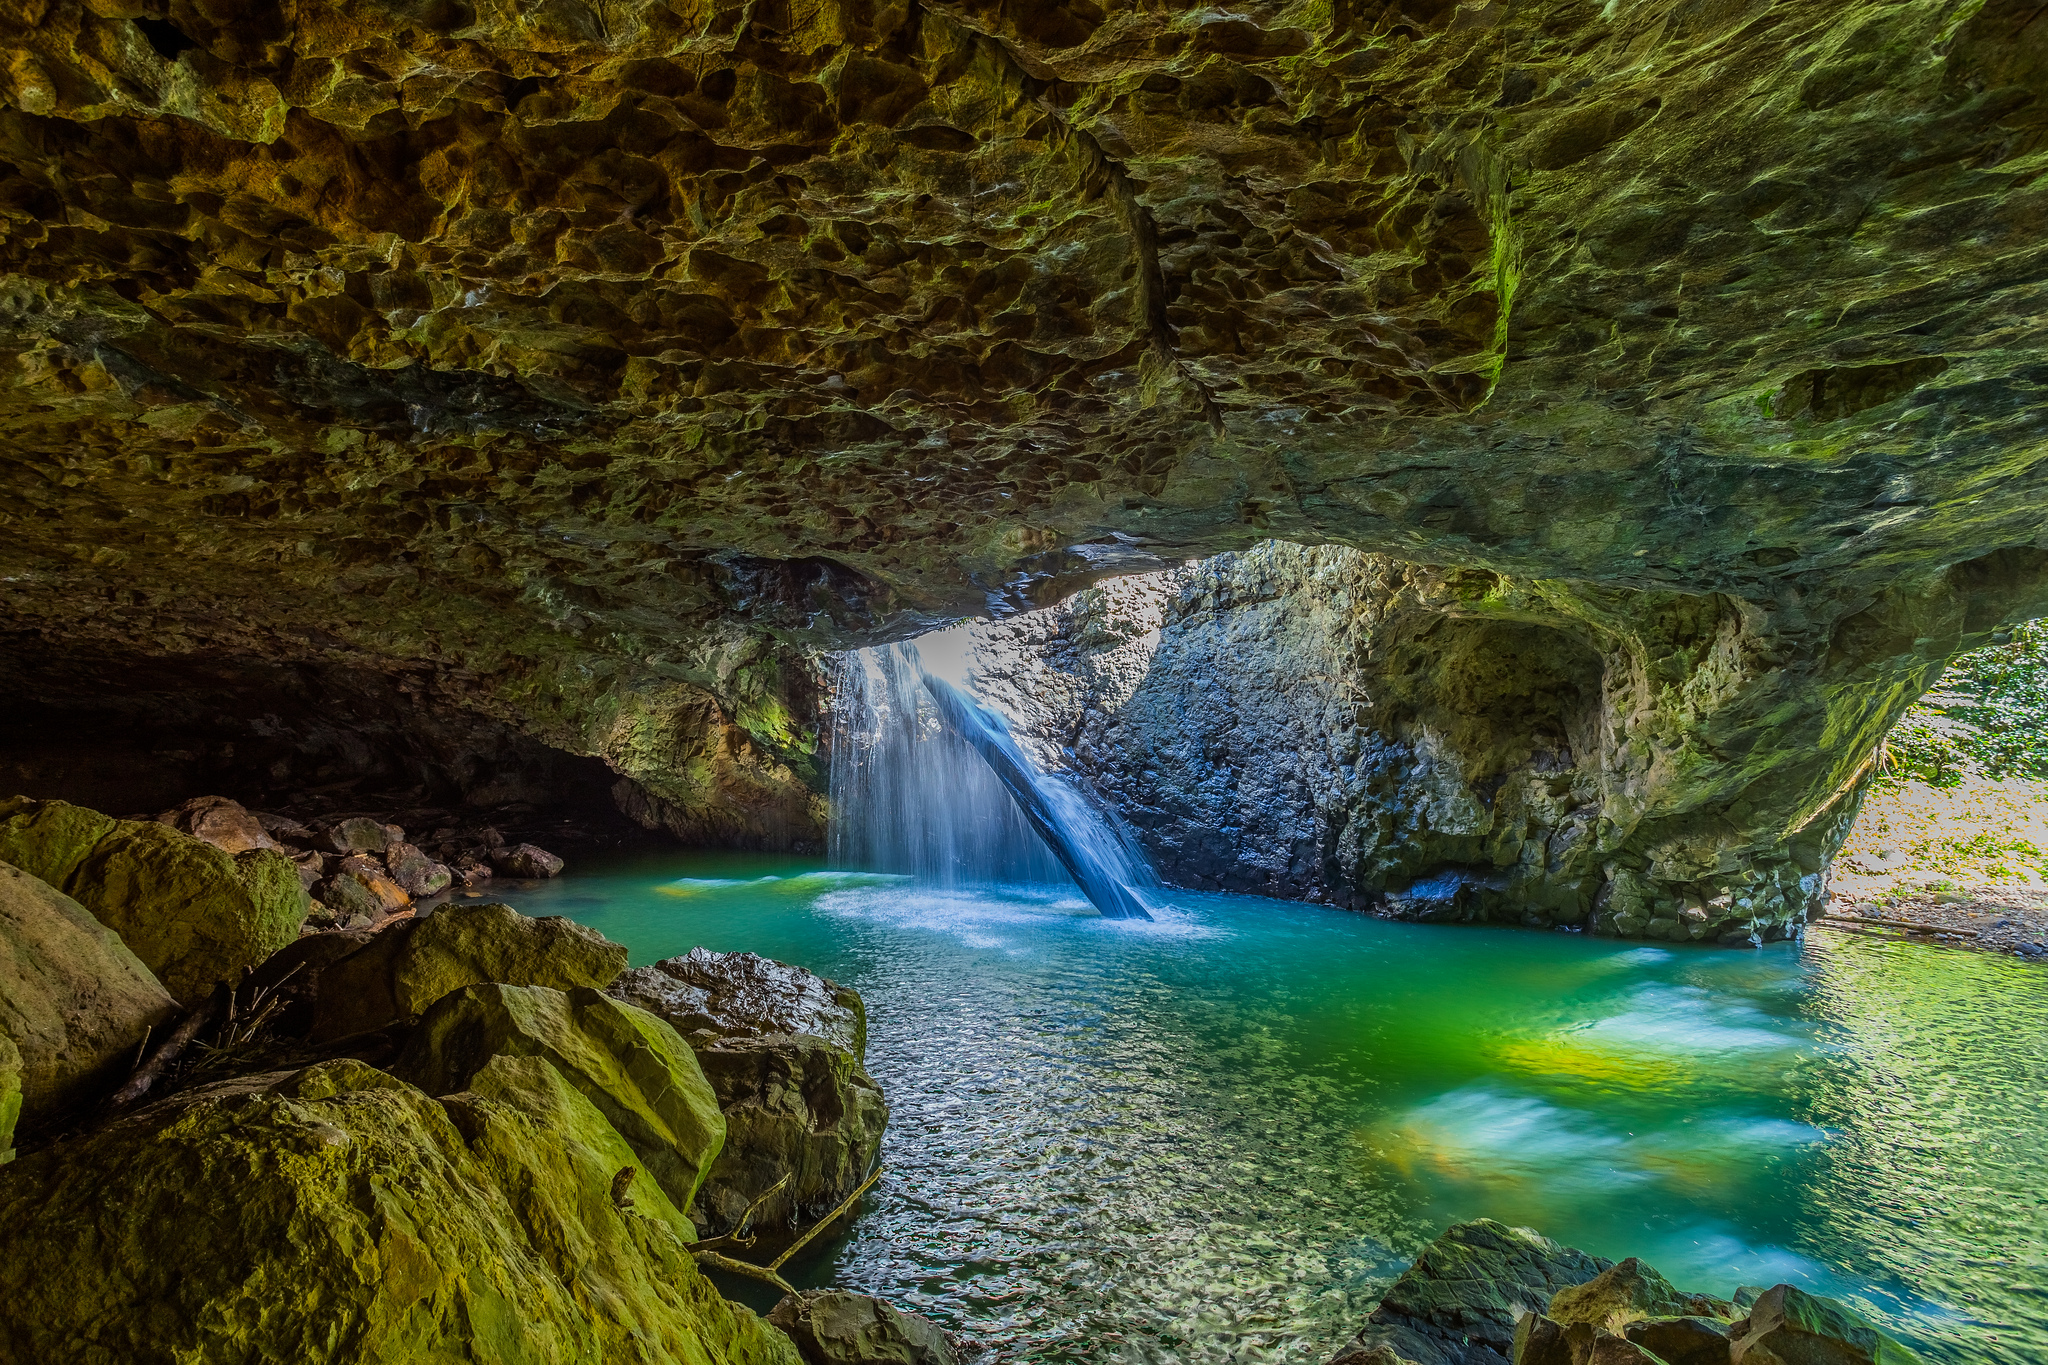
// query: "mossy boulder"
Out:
[337,1216]
[74,1001]
[783,1049]
[10,1096]
[633,1067]
[191,912]
[354,981]
[1788,1326]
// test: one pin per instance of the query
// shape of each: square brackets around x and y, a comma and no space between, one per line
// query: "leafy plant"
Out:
[1986,717]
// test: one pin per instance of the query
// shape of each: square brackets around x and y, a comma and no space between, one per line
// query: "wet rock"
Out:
[284,829]
[478,1227]
[1628,1291]
[414,871]
[347,898]
[784,1051]
[75,1003]
[220,822]
[525,860]
[1788,1326]
[1459,1303]
[398,972]
[358,834]
[1682,1340]
[630,1065]
[384,896]
[312,866]
[835,1327]
[193,915]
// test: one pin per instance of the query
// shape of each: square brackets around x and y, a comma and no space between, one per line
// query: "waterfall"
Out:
[927,779]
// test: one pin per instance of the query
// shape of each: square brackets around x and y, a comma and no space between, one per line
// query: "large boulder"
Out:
[74,1001]
[337,1216]
[192,913]
[1458,1304]
[784,1050]
[355,981]
[835,1327]
[629,1064]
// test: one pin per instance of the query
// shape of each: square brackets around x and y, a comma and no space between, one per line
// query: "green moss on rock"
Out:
[74,1001]
[192,913]
[338,1216]
[637,1070]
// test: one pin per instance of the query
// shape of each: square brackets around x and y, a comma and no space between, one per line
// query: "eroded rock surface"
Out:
[1448,744]
[784,1050]
[75,1003]
[564,365]
[340,1215]
[834,1327]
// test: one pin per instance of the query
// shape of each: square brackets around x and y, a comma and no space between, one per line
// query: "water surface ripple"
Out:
[1217,1137]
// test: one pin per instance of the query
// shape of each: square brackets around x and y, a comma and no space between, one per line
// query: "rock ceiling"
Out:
[566,345]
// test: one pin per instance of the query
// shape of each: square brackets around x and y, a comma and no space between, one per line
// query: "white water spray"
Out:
[928,780]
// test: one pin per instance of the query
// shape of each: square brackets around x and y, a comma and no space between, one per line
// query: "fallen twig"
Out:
[1909,925]
[757,1272]
[738,1235]
[800,1243]
[168,1051]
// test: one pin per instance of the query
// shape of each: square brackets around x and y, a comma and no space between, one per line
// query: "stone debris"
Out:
[1487,1294]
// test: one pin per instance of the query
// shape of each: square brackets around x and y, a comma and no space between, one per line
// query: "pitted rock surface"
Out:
[571,358]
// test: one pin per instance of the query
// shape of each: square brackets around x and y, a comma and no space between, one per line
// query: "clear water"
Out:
[1217,1137]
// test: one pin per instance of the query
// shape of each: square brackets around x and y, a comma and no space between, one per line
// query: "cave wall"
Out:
[1449,744]
[586,366]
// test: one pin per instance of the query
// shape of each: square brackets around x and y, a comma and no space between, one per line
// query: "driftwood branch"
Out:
[713,1261]
[738,1235]
[768,1273]
[168,1051]
[1910,926]
[800,1243]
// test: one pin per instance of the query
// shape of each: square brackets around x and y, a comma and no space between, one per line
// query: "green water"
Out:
[1218,1136]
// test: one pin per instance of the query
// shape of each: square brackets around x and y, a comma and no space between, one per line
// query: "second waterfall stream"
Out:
[928,779]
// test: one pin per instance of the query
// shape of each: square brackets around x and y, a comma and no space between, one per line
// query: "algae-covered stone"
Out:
[401,971]
[835,1327]
[1627,1292]
[192,913]
[641,1076]
[1459,1303]
[10,1096]
[1789,1326]
[341,1217]
[74,1001]
[782,1048]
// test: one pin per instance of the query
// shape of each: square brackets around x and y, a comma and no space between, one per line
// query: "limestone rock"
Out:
[416,873]
[835,1327]
[526,860]
[1627,1292]
[74,1002]
[629,1064]
[1788,1326]
[1458,1304]
[337,1216]
[10,1096]
[784,1051]
[1682,1340]
[355,982]
[192,914]
[357,834]
[220,822]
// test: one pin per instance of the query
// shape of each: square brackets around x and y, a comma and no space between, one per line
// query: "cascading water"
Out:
[928,780]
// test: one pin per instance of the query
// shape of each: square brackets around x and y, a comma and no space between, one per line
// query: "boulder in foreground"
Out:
[784,1050]
[624,1061]
[74,1002]
[337,1216]
[834,1327]
[194,915]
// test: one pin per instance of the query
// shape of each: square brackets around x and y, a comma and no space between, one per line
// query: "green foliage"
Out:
[1987,716]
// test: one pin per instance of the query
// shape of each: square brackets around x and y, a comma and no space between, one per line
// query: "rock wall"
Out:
[1453,744]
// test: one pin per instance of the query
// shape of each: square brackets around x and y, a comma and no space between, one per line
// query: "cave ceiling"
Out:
[543,342]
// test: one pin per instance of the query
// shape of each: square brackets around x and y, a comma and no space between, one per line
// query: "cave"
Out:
[1270,623]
